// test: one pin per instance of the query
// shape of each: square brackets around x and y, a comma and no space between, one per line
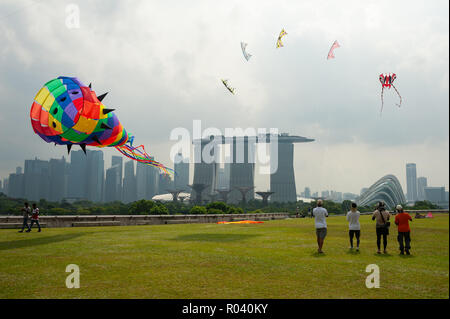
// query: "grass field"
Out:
[276,259]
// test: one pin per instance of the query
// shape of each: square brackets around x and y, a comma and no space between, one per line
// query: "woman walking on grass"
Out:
[381,215]
[353,225]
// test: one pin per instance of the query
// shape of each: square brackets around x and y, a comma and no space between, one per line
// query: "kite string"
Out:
[382,100]
[140,155]
[398,95]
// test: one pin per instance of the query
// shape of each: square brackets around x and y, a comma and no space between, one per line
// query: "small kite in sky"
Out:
[387,80]
[67,112]
[282,34]
[225,82]
[247,55]
[331,52]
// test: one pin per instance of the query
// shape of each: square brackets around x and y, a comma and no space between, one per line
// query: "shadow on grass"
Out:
[219,238]
[317,254]
[353,252]
[383,255]
[36,241]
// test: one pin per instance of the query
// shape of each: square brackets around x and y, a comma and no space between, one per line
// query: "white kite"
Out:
[247,55]
[331,52]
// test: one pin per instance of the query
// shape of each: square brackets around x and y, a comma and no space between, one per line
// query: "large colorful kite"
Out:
[279,42]
[67,112]
[387,80]
[331,52]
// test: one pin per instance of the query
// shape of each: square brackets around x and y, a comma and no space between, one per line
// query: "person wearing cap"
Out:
[353,225]
[381,215]
[320,214]
[402,220]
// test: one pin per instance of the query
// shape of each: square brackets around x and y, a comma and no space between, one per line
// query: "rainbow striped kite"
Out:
[67,112]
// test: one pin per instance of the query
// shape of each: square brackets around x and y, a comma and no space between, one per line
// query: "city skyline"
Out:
[123,182]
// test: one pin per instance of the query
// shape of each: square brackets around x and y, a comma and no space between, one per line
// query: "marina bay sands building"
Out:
[242,166]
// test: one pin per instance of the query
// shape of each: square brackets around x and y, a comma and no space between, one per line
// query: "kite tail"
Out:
[382,100]
[140,155]
[398,95]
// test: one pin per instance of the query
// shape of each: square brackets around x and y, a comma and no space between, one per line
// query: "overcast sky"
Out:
[162,62]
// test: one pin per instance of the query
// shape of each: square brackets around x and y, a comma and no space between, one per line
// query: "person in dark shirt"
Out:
[26,214]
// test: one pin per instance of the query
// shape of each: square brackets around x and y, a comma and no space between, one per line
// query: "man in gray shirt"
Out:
[320,214]
[26,214]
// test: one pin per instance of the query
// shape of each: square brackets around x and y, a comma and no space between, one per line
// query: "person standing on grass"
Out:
[35,218]
[320,214]
[26,214]
[382,227]
[402,221]
[353,225]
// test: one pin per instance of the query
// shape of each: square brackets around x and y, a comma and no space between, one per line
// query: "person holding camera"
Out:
[381,215]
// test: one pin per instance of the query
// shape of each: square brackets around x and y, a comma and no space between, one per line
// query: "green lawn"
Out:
[276,259]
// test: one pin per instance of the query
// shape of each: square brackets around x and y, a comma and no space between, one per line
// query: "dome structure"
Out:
[387,189]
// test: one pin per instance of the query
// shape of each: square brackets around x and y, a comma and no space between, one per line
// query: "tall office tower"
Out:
[435,195]
[282,182]
[421,184]
[77,184]
[242,170]
[5,185]
[111,181]
[181,166]
[411,182]
[16,187]
[315,194]
[166,184]
[117,161]
[36,179]
[95,168]
[307,192]
[129,183]
[205,172]
[58,179]
[147,181]
[325,194]
[18,170]
[1,187]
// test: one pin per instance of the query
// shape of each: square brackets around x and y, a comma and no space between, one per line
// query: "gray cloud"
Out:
[162,64]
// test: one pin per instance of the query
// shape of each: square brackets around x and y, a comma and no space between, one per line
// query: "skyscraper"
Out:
[147,181]
[58,179]
[116,161]
[111,181]
[307,192]
[95,175]
[16,187]
[77,184]
[421,184]
[411,182]
[129,183]
[36,179]
[181,178]
[242,169]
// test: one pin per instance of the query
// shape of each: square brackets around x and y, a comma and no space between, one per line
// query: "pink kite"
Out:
[331,53]
[429,215]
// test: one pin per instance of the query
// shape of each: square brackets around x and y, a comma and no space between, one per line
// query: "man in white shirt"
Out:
[320,214]
[353,225]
